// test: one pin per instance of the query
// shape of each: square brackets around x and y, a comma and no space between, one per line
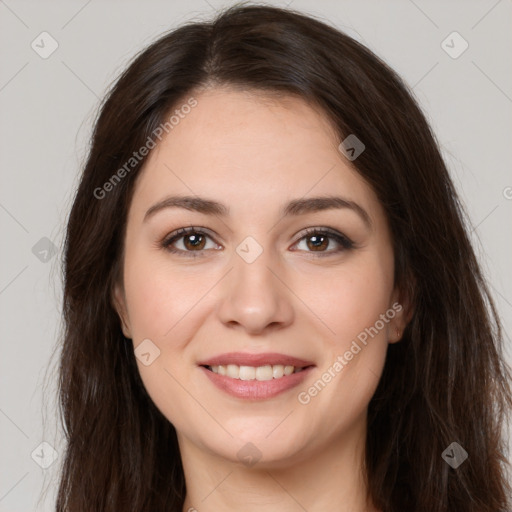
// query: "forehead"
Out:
[252,150]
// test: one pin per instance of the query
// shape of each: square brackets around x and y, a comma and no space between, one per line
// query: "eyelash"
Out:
[342,240]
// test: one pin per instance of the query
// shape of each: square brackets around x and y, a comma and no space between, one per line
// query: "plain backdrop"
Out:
[47,110]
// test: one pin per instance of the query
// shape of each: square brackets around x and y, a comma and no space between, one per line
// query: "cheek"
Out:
[159,297]
[161,306]
[356,301]
[349,298]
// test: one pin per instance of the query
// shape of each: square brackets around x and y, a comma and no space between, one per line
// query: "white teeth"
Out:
[233,371]
[277,371]
[266,372]
[247,373]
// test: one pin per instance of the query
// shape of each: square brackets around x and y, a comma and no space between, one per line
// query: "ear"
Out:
[402,305]
[119,303]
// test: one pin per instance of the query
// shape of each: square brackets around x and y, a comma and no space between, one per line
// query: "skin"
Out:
[254,154]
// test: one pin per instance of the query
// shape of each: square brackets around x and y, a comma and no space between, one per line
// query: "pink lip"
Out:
[244,359]
[256,389]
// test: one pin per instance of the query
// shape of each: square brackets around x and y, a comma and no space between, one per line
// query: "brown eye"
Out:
[194,241]
[187,242]
[318,240]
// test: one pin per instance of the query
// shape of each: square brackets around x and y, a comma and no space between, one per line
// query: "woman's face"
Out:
[251,288]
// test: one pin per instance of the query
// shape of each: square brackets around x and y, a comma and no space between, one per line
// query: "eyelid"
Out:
[325,230]
[341,239]
[182,232]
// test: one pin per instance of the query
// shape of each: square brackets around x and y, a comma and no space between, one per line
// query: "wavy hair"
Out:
[446,381]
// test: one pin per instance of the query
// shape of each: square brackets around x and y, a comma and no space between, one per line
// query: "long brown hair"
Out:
[446,381]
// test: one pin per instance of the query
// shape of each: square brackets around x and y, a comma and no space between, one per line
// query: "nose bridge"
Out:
[254,297]
[251,266]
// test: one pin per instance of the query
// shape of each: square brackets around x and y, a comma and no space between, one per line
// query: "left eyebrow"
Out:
[316,204]
[293,208]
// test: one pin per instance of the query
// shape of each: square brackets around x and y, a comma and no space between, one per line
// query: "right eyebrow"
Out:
[192,203]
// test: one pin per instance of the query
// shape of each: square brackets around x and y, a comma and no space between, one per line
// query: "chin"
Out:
[256,449]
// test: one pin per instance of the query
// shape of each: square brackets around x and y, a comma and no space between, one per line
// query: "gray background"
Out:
[48,106]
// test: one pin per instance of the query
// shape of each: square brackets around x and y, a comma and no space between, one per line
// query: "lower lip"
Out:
[257,389]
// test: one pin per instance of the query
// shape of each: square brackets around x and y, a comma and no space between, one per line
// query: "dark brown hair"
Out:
[445,382]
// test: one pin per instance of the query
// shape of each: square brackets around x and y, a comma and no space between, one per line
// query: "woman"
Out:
[271,300]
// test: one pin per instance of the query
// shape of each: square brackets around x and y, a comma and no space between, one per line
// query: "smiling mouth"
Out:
[260,373]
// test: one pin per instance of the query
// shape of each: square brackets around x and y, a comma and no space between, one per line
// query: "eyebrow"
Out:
[293,208]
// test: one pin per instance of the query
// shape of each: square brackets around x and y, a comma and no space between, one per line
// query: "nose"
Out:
[255,297]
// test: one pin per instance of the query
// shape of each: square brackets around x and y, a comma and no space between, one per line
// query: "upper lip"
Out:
[245,359]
